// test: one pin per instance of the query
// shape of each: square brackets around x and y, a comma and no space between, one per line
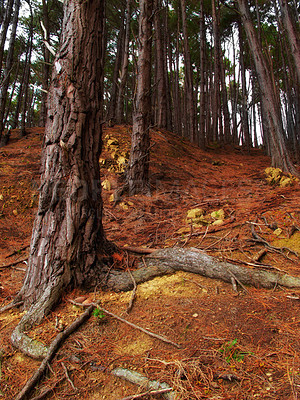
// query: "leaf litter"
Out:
[233,344]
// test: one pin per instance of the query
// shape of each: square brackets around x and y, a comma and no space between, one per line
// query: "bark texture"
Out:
[68,241]
[138,171]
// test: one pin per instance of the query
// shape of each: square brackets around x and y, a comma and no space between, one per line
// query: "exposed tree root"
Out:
[141,380]
[167,261]
[34,315]
[50,353]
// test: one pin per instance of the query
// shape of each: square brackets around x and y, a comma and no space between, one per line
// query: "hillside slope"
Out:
[234,343]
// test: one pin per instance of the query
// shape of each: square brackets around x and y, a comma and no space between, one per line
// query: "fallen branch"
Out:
[13,264]
[259,239]
[48,390]
[10,306]
[137,250]
[168,261]
[141,380]
[156,336]
[147,394]
[18,251]
[55,345]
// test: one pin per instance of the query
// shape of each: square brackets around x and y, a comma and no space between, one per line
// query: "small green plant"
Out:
[98,313]
[232,353]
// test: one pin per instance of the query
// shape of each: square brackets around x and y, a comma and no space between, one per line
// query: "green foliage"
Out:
[232,353]
[98,313]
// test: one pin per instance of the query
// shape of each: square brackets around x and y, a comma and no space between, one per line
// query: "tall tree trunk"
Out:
[271,107]
[27,75]
[112,107]
[190,123]
[8,65]
[203,77]
[244,119]
[4,28]
[161,78]
[124,67]
[46,64]
[138,168]
[292,34]
[68,241]
[216,104]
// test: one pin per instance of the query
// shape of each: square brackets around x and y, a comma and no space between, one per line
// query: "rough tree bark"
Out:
[68,243]
[270,102]
[138,167]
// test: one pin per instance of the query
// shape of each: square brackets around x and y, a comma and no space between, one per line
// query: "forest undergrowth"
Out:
[234,342]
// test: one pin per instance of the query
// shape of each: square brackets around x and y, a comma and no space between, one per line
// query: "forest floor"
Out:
[235,343]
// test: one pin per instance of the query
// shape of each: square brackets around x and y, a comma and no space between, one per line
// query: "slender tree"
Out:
[138,168]
[124,66]
[292,33]
[270,104]
[8,65]
[190,117]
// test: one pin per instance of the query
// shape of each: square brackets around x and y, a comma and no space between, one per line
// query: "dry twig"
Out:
[148,393]
[55,345]
[129,323]
[13,264]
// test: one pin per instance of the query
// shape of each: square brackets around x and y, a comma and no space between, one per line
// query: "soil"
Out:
[235,343]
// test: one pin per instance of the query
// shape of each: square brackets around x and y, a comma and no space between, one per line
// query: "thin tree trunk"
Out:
[8,65]
[190,123]
[4,28]
[161,86]
[27,75]
[124,67]
[244,116]
[271,108]
[216,103]
[138,169]
[203,78]
[292,34]
[46,64]
[112,107]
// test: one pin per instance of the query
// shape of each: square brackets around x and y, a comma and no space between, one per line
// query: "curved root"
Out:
[34,315]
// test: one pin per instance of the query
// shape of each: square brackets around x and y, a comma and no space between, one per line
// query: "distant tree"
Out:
[292,33]
[270,99]
[8,66]
[138,168]
[124,66]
